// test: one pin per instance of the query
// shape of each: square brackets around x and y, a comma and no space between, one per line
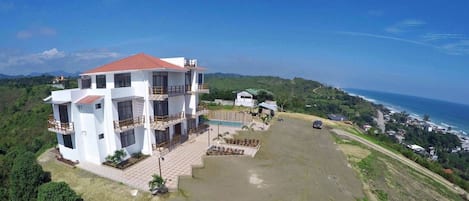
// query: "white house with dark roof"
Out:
[245,99]
[137,104]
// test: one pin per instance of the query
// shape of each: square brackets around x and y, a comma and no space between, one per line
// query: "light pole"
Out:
[160,158]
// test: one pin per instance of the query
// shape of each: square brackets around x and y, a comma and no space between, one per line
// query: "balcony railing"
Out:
[164,121]
[126,124]
[59,127]
[170,90]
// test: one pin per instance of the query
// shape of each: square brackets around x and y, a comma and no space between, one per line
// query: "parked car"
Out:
[317,124]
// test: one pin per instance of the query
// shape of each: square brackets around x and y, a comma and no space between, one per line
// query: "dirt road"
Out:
[404,160]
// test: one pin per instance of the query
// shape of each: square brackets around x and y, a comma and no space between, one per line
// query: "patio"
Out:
[178,162]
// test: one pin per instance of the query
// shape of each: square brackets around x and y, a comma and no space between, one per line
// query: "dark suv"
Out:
[317,124]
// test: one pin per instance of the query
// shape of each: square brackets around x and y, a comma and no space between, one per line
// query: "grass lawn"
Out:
[88,185]
[295,162]
[389,179]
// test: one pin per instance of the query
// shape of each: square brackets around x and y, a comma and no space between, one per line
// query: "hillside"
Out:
[295,95]
[23,121]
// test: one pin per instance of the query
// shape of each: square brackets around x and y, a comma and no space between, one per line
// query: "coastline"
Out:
[460,132]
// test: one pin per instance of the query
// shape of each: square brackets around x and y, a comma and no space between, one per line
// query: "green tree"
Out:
[56,191]
[25,177]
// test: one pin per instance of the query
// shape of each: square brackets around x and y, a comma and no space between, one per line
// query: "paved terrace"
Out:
[178,162]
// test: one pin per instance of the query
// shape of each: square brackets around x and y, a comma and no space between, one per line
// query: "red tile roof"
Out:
[139,61]
[88,99]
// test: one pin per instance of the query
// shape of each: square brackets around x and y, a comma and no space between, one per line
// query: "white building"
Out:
[245,99]
[137,104]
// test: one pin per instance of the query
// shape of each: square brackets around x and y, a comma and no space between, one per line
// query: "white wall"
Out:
[176,104]
[175,60]
[68,153]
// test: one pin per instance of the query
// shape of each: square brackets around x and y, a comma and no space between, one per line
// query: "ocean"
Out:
[442,113]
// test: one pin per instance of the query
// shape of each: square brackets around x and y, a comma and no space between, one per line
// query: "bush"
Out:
[137,155]
[25,178]
[117,157]
[56,191]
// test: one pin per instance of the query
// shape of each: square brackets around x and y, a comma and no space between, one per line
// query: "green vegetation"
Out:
[56,191]
[295,95]
[23,130]
[117,157]
[25,178]
[442,143]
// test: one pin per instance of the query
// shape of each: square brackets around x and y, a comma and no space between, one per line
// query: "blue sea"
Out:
[442,113]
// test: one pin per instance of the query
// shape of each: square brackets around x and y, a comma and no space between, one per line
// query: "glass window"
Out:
[68,141]
[124,110]
[100,81]
[101,136]
[98,106]
[162,136]
[85,82]
[200,79]
[160,108]
[127,138]
[122,80]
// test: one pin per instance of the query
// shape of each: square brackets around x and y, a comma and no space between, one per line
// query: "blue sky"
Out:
[419,48]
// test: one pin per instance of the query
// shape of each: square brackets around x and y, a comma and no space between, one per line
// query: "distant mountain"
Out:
[226,75]
[3,76]
[55,73]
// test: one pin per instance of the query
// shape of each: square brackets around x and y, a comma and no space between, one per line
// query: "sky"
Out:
[419,48]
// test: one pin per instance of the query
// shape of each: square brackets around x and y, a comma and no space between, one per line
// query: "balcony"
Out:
[200,110]
[163,122]
[191,63]
[127,124]
[59,127]
[201,88]
[161,93]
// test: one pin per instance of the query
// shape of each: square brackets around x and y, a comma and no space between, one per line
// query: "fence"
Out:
[224,115]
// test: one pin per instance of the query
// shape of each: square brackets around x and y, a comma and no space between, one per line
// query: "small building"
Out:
[266,108]
[366,127]
[336,117]
[245,99]
[416,148]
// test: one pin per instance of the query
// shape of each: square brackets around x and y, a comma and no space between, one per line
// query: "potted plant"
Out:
[157,185]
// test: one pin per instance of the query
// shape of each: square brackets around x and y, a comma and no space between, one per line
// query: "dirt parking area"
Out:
[295,162]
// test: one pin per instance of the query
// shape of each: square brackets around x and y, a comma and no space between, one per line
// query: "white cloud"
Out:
[404,26]
[94,54]
[38,31]
[24,34]
[460,47]
[12,62]
[387,38]
[457,48]
[441,36]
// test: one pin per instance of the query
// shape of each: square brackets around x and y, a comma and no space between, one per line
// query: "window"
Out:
[201,78]
[188,79]
[127,138]
[68,141]
[98,106]
[160,108]
[124,110]
[122,80]
[100,81]
[85,82]
[63,113]
[101,136]
[161,136]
